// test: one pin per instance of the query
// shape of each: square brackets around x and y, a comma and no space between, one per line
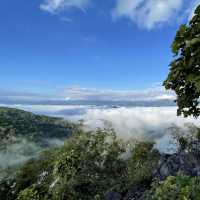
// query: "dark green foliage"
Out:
[33,170]
[142,164]
[176,188]
[38,171]
[29,194]
[183,143]
[18,123]
[89,165]
[23,135]
[187,141]
[184,75]
[6,192]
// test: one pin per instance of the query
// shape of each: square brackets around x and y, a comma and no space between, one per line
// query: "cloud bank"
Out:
[157,93]
[128,122]
[89,94]
[145,122]
[152,123]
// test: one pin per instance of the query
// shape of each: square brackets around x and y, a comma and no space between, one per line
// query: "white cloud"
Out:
[147,122]
[147,14]
[152,13]
[139,122]
[157,93]
[54,6]
[128,122]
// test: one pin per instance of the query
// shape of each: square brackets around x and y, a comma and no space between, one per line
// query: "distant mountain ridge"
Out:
[148,103]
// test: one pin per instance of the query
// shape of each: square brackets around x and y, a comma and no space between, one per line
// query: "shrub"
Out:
[142,163]
[187,139]
[36,172]
[176,188]
[6,189]
[29,194]
[89,164]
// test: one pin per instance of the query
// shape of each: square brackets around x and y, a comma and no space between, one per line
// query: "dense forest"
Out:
[18,123]
[23,135]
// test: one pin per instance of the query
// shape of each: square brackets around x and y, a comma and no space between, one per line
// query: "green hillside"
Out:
[23,135]
[17,123]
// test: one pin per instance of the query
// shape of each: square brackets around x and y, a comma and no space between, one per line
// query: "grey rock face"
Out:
[195,148]
[135,193]
[113,196]
[185,163]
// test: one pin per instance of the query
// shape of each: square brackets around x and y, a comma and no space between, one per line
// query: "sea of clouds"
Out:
[152,123]
[128,122]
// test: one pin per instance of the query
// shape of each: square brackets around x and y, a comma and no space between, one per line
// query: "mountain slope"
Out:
[23,135]
[18,123]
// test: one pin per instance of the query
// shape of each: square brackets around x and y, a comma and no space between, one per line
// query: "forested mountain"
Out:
[23,135]
[18,123]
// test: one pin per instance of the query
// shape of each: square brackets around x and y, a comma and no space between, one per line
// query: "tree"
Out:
[180,187]
[184,75]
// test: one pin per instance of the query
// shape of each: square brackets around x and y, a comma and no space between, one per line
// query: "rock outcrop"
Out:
[185,163]
[113,196]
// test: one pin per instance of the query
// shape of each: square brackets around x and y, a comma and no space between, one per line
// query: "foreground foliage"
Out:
[184,75]
[176,188]
[89,165]
[23,135]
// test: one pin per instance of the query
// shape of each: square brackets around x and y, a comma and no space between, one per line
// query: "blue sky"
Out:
[47,46]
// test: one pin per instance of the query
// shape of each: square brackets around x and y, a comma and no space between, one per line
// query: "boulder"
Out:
[136,192]
[113,196]
[182,162]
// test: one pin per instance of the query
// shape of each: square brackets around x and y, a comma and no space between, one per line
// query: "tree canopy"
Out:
[184,75]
